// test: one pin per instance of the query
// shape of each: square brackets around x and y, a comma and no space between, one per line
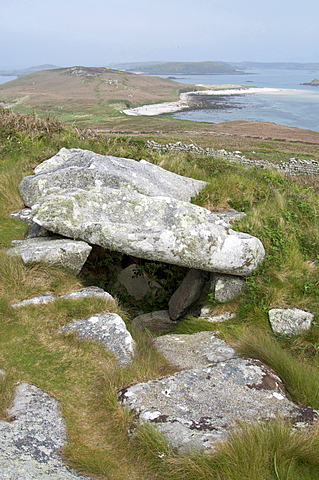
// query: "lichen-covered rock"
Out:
[289,321]
[195,409]
[77,294]
[76,168]
[194,351]
[63,252]
[227,287]
[31,442]
[154,228]
[108,329]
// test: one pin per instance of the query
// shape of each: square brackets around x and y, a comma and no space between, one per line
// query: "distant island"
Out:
[314,82]
[174,68]
[276,65]
[26,71]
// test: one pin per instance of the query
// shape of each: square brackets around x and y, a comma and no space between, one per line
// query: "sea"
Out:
[297,106]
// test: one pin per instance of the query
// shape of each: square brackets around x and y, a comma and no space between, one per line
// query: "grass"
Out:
[281,211]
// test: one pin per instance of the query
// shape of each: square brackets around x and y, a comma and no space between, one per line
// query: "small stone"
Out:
[227,287]
[155,322]
[290,321]
[110,330]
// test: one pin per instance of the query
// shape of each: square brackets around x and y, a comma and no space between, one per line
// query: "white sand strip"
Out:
[182,104]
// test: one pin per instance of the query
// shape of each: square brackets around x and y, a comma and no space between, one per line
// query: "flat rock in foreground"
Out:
[155,228]
[194,409]
[31,442]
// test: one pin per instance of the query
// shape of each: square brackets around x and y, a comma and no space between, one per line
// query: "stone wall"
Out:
[292,167]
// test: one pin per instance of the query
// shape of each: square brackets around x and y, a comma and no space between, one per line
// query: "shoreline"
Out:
[183,104]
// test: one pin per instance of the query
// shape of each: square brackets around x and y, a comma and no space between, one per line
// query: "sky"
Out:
[100,32]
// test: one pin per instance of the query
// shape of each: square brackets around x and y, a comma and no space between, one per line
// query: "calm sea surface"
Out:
[293,108]
[4,79]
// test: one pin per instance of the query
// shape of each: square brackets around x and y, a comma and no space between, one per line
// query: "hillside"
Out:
[281,210]
[187,68]
[86,90]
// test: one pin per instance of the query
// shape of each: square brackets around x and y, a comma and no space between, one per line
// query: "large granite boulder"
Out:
[136,208]
[198,407]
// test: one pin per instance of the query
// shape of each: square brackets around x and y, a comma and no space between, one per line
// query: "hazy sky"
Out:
[98,32]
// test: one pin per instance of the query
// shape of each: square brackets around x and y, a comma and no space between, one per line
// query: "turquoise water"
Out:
[298,107]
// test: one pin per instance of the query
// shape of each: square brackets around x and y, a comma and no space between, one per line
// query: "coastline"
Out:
[183,103]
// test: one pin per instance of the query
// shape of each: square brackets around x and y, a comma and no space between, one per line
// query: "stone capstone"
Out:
[154,228]
[70,254]
[108,329]
[194,409]
[135,208]
[187,293]
[289,321]
[33,438]
[82,169]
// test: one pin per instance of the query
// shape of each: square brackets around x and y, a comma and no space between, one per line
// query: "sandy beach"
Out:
[182,104]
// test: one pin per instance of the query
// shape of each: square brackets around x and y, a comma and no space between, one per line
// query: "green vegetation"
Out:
[281,211]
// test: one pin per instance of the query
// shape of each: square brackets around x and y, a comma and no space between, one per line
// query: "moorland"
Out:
[81,108]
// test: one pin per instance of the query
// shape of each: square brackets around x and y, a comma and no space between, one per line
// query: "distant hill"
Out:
[277,65]
[75,92]
[174,68]
[26,71]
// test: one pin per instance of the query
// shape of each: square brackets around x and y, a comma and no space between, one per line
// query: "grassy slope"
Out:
[280,211]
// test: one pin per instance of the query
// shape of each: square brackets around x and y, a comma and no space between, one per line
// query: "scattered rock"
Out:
[70,254]
[31,442]
[227,287]
[195,409]
[92,291]
[207,313]
[39,299]
[194,351]
[187,293]
[290,321]
[110,330]
[155,322]
[48,297]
